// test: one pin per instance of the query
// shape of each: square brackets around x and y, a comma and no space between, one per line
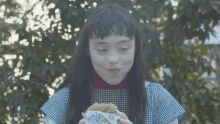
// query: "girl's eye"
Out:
[123,49]
[102,50]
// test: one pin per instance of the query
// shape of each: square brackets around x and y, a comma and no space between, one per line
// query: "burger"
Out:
[103,107]
[107,108]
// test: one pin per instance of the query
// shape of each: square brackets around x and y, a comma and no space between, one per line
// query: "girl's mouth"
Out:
[113,70]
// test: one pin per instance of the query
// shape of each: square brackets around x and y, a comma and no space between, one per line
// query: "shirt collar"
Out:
[100,83]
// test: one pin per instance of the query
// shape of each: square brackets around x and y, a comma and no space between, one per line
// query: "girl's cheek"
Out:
[98,57]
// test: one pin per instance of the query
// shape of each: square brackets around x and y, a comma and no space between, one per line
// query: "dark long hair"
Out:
[80,76]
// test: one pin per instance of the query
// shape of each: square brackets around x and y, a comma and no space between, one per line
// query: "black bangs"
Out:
[108,21]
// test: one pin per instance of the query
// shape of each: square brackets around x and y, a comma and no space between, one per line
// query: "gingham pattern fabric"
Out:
[56,106]
[119,97]
[162,107]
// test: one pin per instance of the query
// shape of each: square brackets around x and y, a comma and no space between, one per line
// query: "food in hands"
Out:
[108,108]
[103,107]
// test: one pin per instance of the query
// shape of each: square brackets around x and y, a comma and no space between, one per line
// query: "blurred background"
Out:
[38,37]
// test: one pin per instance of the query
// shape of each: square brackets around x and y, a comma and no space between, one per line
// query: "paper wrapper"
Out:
[97,117]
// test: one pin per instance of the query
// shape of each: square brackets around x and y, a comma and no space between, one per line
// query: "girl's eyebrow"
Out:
[123,41]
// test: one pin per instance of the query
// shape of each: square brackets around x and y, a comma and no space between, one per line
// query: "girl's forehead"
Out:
[114,31]
[111,35]
[113,38]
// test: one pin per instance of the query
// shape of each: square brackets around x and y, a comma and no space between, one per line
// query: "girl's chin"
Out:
[114,81]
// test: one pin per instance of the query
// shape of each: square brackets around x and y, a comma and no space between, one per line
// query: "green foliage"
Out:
[187,62]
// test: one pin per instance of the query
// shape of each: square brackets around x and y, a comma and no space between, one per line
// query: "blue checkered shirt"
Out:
[162,107]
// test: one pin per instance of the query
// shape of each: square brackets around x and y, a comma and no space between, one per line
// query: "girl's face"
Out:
[112,52]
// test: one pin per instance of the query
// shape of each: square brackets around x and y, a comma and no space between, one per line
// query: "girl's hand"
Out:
[82,122]
[122,120]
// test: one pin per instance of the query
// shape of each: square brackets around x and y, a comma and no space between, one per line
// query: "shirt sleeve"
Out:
[168,108]
[49,121]
[56,106]
[174,122]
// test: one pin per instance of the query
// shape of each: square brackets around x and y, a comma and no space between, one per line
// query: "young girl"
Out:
[108,68]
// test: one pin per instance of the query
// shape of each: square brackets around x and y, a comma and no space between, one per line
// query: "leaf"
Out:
[155,73]
[203,49]
[200,74]
[190,74]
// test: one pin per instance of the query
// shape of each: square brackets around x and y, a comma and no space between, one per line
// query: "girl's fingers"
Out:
[111,111]
[123,121]
[84,115]
[121,115]
[95,103]
[82,122]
